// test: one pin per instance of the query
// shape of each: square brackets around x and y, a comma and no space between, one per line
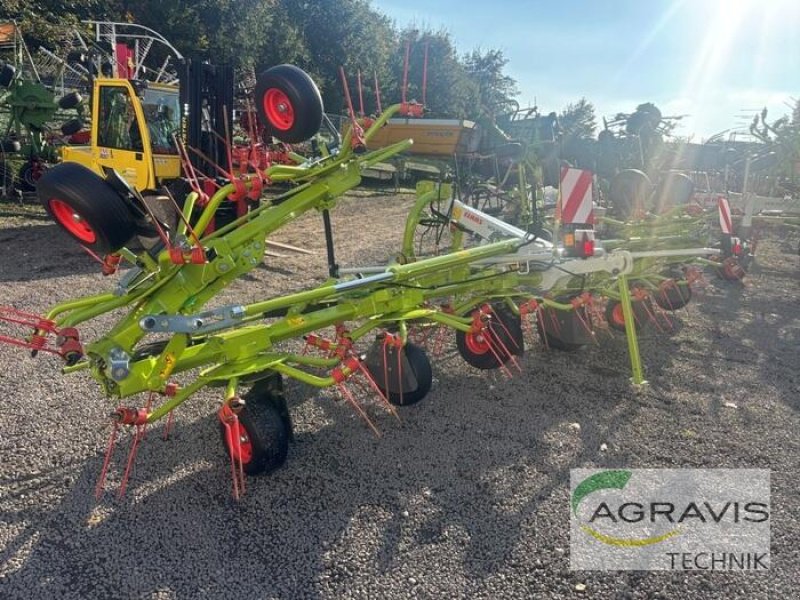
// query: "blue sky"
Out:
[719,61]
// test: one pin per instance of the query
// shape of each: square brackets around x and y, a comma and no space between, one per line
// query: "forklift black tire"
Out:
[71,100]
[86,207]
[288,103]
[71,127]
[263,438]
[481,354]
[7,73]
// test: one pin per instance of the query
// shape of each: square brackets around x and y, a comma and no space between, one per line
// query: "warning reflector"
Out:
[576,196]
[725,222]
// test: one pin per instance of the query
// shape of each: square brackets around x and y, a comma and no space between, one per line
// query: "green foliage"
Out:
[578,120]
[318,36]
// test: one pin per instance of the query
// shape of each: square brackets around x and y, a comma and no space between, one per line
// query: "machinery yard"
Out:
[466,497]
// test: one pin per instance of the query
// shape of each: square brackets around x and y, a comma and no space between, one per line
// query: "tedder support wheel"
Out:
[564,329]
[27,177]
[288,103]
[408,387]
[493,348]
[263,437]
[86,207]
[673,294]
[71,100]
[616,318]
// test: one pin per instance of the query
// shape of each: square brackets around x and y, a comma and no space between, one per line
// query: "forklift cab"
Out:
[134,132]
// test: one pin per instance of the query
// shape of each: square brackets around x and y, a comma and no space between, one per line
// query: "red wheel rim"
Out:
[244,453]
[278,109]
[72,221]
[732,270]
[617,315]
[476,343]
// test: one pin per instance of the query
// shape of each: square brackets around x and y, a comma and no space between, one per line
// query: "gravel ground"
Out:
[467,497]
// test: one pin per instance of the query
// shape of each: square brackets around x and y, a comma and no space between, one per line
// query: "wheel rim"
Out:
[244,452]
[72,221]
[617,316]
[278,109]
[476,343]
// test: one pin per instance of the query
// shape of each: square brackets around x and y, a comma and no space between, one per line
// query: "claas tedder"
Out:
[165,344]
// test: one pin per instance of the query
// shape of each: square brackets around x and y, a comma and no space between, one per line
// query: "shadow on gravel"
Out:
[41,252]
[468,468]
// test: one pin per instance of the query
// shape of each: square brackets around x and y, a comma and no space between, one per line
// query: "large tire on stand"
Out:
[630,193]
[71,100]
[86,207]
[288,104]
[417,376]
[676,189]
[71,127]
[263,438]
[480,353]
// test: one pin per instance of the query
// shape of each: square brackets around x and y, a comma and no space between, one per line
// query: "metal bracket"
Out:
[204,322]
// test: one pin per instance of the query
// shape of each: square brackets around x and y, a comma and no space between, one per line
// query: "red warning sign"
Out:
[576,196]
[725,222]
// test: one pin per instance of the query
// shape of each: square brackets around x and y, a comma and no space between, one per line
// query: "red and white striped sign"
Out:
[725,221]
[576,196]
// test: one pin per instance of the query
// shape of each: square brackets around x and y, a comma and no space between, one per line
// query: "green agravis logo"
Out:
[612,480]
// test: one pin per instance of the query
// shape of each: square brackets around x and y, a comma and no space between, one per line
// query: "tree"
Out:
[578,120]
[495,90]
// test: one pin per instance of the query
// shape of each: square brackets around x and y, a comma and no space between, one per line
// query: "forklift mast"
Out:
[206,96]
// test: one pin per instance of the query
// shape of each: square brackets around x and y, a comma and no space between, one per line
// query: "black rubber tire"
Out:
[304,99]
[417,361]
[629,193]
[71,127]
[69,101]
[93,200]
[507,328]
[676,189]
[673,296]
[10,146]
[7,73]
[551,339]
[268,434]
[26,178]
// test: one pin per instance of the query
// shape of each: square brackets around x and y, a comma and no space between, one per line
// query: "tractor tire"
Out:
[264,438]
[676,189]
[417,375]
[86,207]
[7,73]
[69,101]
[477,352]
[630,193]
[288,104]
[71,127]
